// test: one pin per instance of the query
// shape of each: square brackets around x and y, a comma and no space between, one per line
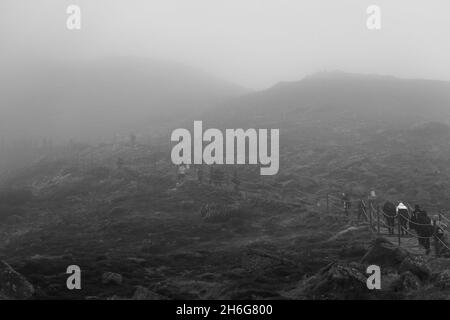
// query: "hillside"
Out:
[92,100]
[343,101]
[270,238]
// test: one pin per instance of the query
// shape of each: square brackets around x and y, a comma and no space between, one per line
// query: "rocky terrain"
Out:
[136,234]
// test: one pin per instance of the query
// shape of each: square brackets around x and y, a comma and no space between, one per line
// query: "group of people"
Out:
[216,176]
[362,206]
[417,220]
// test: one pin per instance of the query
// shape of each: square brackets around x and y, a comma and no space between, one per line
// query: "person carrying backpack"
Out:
[425,230]
[403,217]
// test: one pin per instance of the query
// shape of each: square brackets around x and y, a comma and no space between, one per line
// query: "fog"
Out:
[138,66]
[224,150]
[254,43]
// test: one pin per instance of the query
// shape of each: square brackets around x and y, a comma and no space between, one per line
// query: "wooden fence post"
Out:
[398,228]
[378,220]
[435,240]
[370,219]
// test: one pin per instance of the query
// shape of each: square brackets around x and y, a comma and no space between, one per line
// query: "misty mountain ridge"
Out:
[345,100]
[96,99]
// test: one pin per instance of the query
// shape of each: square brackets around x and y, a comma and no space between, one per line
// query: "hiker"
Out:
[361,209]
[219,176]
[346,202]
[389,212]
[215,175]
[403,217]
[211,174]
[200,173]
[414,220]
[236,181]
[439,234]
[372,197]
[181,174]
[424,230]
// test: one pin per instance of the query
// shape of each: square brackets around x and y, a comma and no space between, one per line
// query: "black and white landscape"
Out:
[86,176]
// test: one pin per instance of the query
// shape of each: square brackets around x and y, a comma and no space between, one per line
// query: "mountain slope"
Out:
[98,98]
[337,99]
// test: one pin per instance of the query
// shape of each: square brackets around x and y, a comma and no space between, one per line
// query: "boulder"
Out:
[383,253]
[112,278]
[13,285]
[417,266]
[185,289]
[353,249]
[336,281]
[443,280]
[407,281]
[143,293]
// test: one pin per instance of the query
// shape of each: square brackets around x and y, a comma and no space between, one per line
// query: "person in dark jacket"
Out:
[424,230]
[389,214]
[200,173]
[413,223]
[235,180]
[414,217]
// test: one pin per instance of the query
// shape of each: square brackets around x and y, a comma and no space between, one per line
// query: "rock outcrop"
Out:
[405,282]
[335,281]
[417,266]
[384,254]
[112,278]
[14,286]
[143,293]
[443,280]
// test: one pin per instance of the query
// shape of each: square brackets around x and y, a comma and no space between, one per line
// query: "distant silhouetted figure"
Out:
[346,202]
[372,197]
[211,174]
[215,176]
[218,177]
[200,174]
[181,173]
[236,181]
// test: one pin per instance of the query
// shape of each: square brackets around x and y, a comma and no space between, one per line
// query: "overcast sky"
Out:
[255,43]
